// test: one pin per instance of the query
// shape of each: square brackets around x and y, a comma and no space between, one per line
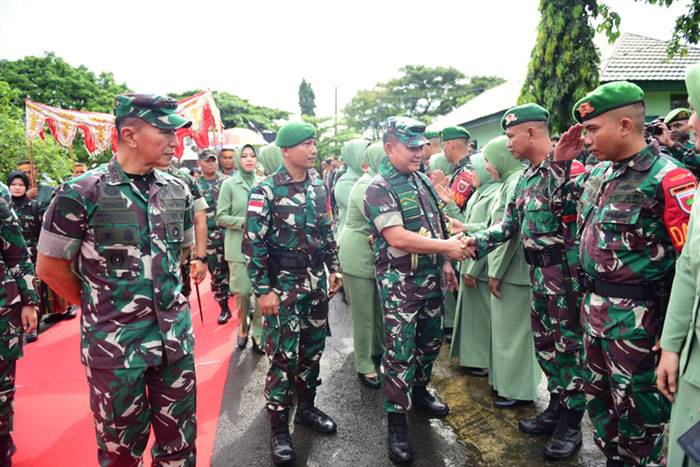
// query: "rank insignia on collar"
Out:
[584,109]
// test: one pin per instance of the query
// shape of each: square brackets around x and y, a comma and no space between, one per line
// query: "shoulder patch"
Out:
[679,187]
[256,202]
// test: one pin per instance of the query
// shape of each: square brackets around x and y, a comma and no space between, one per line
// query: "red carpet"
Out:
[53,422]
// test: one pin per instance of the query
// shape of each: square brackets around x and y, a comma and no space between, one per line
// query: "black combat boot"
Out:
[425,401]
[546,422]
[281,447]
[314,418]
[399,441]
[7,450]
[225,312]
[614,463]
[566,438]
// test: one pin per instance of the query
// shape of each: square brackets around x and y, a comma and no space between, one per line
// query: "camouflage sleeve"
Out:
[330,248]
[200,204]
[255,245]
[16,256]
[64,225]
[686,156]
[381,209]
[188,226]
[678,187]
[508,225]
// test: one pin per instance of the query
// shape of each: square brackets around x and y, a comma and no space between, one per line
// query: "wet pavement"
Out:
[474,434]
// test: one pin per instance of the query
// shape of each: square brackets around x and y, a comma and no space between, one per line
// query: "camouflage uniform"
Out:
[542,211]
[686,155]
[287,241]
[216,259]
[136,331]
[410,286]
[631,216]
[17,290]
[27,212]
[4,192]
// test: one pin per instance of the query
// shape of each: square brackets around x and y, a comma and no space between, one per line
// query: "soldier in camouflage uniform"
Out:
[288,243]
[674,138]
[543,212]
[18,301]
[210,185]
[127,227]
[410,245]
[632,219]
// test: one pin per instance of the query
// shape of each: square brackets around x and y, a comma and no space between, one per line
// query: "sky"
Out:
[261,49]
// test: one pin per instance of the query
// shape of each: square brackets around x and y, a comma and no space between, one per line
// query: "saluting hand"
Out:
[29,318]
[269,304]
[570,145]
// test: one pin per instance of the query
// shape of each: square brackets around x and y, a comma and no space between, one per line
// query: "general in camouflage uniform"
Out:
[126,228]
[410,242]
[543,212]
[632,219]
[210,185]
[18,301]
[288,243]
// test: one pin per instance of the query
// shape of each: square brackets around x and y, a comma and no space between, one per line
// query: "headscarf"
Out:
[248,177]
[692,83]
[373,157]
[479,165]
[18,173]
[352,156]
[439,162]
[500,157]
[271,158]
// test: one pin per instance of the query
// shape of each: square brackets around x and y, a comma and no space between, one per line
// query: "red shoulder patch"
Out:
[679,186]
[462,188]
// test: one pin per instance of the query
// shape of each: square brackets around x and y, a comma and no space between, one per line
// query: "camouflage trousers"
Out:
[7,395]
[412,336]
[218,267]
[559,348]
[294,342]
[627,411]
[126,402]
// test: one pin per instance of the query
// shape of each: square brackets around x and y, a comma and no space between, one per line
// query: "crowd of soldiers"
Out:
[527,257]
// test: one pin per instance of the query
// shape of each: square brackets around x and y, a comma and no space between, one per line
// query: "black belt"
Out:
[543,258]
[295,261]
[643,291]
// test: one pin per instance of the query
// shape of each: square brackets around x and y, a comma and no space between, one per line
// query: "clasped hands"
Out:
[460,247]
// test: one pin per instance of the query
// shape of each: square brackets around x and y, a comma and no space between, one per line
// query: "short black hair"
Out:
[121,122]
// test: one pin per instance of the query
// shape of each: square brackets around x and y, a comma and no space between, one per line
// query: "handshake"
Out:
[460,247]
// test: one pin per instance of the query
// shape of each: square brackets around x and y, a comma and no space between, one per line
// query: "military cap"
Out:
[156,110]
[206,154]
[524,113]
[431,134]
[692,83]
[454,132]
[294,133]
[607,97]
[677,114]
[408,131]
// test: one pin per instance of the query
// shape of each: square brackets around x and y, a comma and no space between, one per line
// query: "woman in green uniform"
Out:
[357,263]
[230,213]
[352,156]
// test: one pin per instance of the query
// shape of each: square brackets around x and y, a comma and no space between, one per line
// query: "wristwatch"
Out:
[203,259]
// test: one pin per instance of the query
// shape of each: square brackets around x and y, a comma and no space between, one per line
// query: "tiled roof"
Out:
[640,58]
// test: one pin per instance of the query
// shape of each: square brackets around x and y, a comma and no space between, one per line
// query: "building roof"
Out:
[641,58]
[492,101]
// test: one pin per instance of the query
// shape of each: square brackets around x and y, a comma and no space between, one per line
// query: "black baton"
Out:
[199,302]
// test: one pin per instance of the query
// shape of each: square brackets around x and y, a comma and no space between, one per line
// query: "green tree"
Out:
[564,62]
[307,99]
[239,113]
[329,143]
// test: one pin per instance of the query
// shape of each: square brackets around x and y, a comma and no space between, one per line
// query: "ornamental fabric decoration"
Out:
[202,111]
[98,129]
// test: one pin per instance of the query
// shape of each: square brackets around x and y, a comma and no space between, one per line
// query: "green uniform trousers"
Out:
[366,320]
[471,337]
[684,414]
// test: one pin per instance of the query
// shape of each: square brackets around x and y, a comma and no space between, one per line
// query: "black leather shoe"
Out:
[566,439]
[425,401]
[256,347]
[69,313]
[370,381]
[546,422]
[224,317]
[242,341]
[309,415]
[504,403]
[478,372]
[281,448]
[399,441]
[7,450]
[31,336]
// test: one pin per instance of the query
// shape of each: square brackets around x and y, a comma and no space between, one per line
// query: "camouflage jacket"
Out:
[210,190]
[289,217]
[543,211]
[686,155]
[127,249]
[29,218]
[632,220]
[199,203]
[17,276]
[403,276]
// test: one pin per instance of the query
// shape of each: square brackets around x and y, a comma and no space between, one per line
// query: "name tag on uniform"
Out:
[256,202]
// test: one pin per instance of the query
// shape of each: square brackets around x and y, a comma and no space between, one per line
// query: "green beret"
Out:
[408,131]
[524,113]
[294,133]
[677,114]
[431,134]
[692,83]
[159,111]
[454,132]
[607,97]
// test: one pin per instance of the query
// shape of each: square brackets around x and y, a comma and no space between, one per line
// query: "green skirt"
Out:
[471,337]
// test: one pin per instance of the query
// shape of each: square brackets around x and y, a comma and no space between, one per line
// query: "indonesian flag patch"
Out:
[256,203]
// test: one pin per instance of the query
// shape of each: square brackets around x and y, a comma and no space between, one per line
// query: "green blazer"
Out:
[476,217]
[231,209]
[355,253]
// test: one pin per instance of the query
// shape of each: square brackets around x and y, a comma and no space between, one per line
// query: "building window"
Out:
[679,100]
